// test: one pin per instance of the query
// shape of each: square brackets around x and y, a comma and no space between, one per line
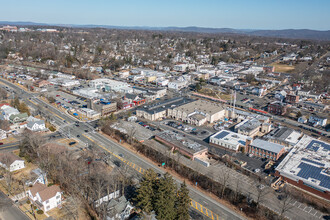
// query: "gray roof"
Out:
[265,145]
[162,106]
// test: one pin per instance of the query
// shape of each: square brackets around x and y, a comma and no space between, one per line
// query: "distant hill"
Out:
[287,33]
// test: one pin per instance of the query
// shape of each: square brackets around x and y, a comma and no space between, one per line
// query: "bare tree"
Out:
[285,205]
[223,176]
[261,194]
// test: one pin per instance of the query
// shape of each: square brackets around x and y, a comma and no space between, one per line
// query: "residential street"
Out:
[12,212]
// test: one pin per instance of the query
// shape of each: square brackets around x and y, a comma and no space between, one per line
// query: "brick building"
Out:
[277,108]
[265,149]
[292,98]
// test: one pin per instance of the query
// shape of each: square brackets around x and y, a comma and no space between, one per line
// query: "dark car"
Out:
[78,135]
[86,130]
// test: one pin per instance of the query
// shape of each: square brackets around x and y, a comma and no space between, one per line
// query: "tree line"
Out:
[162,196]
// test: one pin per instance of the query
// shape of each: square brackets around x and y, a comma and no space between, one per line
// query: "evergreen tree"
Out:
[183,203]
[145,193]
[164,200]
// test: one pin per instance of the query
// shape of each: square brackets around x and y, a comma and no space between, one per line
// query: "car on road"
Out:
[257,170]
[1,143]
[121,155]
[78,136]
[86,130]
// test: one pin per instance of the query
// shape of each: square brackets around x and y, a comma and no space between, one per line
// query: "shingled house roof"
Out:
[44,191]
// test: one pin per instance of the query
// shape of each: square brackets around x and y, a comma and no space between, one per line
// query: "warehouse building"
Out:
[198,112]
[307,166]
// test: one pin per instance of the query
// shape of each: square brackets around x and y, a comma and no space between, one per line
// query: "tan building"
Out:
[198,112]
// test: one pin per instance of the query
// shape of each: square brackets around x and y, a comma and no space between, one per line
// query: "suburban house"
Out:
[45,197]
[302,119]
[3,134]
[11,162]
[21,117]
[37,176]
[7,111]
[36,125]
[119,208]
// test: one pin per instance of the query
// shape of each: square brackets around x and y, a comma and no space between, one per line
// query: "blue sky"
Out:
[243,14]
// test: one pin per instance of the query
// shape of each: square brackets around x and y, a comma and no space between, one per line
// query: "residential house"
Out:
[302,119]
[317,120]
[21,117]
[107,197]
[45,197]
[280,95]
[119,209]
[38,125]
[11,162]
[3,134]
[177,85]
[37,176]
[8,111]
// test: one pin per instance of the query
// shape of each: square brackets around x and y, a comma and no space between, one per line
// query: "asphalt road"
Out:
[11,212]
[66,122]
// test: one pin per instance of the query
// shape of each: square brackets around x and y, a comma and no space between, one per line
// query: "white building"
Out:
[7,111]
[38,125]
[180,67]
[45,197]
[230,140]
[110,85]
[316,120]
[11,162]
[177,85]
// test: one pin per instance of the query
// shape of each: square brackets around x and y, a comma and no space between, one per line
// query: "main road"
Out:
[200,201]
[10,212]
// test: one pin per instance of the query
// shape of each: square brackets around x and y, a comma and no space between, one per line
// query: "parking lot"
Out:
[67,101]
[140,130]
[189,129]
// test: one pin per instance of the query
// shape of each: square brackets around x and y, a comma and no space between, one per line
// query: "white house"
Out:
[316,120]
[7,111]
[38,125]
[45,197]
[177,85]
[302,119]
[11,162]
[3,134]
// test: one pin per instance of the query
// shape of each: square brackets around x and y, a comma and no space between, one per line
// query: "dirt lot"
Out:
[283,68]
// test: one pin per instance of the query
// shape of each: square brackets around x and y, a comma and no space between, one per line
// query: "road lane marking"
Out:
[5,147]
[141,170]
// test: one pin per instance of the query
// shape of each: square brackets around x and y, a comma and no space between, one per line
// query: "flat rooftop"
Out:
[284,134]
[268,146]
[181,142]
[163,106]
[231,137]
[248,124]
[203,106]
[308,161]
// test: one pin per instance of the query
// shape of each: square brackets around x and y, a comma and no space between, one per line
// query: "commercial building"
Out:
[292,98]
[265,149]
[198,112]
[177,85]
[183,145]
[284,136]
[248,127]
[107,85]
[230,140]
[160,110]
[277,108]
[307,166]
